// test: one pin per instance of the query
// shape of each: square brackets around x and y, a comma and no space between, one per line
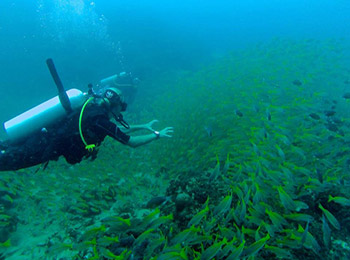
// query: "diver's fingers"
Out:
[153,121]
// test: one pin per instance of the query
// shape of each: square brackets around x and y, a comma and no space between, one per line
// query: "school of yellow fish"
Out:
[270,121]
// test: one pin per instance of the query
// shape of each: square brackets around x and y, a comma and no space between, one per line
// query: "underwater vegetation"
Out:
[258,168]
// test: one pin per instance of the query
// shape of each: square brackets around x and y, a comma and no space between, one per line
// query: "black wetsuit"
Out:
[60,139]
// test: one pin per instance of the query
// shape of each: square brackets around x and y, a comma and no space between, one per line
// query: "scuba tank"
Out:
[124,82]
[112,80]
[120,80]
[47,113]
[53,110]
[41,116]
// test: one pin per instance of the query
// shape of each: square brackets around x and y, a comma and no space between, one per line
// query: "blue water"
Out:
[280,101]
[90,40]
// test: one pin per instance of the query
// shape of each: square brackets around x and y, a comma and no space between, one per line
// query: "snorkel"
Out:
[114,98]
[121,120]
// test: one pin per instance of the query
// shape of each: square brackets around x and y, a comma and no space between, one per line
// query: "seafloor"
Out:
[257,168]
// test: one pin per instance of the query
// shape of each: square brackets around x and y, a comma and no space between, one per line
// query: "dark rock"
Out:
[238,113]
[140,249]
[332,127]
[346,95]
[126,241]
[329,112]
[182,200]
[337,121]
[315,116]
[197,187]
[297,82]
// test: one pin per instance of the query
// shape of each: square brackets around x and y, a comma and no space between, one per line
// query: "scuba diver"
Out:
[72,125]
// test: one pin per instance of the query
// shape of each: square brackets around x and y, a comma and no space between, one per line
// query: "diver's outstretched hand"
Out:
[149,127]
[166,132]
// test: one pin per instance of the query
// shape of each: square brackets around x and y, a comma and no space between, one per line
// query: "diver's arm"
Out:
[136,141]
[134,128]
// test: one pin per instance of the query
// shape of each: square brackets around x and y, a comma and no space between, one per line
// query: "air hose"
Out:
[89,147]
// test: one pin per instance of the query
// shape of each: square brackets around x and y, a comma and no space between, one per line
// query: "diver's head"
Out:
[115,100]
